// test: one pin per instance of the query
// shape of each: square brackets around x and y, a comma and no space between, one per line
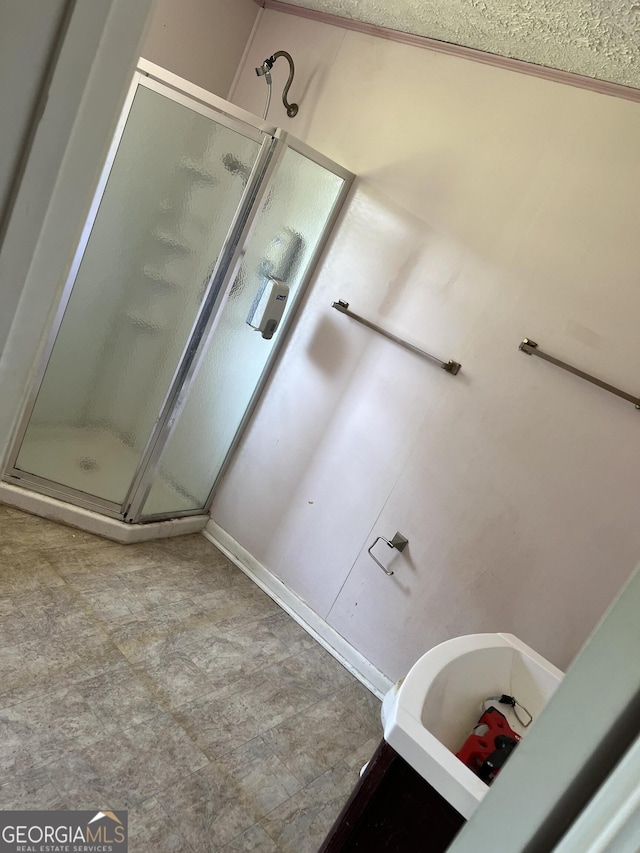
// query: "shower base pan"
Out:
[93,522]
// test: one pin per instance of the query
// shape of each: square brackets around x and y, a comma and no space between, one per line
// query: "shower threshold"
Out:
[93,522]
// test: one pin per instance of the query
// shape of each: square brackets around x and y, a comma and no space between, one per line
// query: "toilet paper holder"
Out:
[399,542]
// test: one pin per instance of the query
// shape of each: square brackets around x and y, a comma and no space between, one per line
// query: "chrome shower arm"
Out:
[264,71]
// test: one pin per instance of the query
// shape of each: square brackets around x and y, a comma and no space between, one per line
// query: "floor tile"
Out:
[362,704]
[209,809]
[262,777]
[162,586]
[133,632]
[287,630]
[157,677]
[97,558]
[361,756]
[109,604]
[240,603]
[316,740]
[7,606]
[316,671]
[220,802]
[118,698]
[193,546]
[301,823]
[215,572]
[34,659]
[47,630]
[41,728]
[267,703]
[82,784]
[233,653]
[22,570]
[144,759]
[34,790]
[14,625]
[205,723]
[58,613]
[49,678]
[34,532]
[151,830]
[254,839]
[171,673]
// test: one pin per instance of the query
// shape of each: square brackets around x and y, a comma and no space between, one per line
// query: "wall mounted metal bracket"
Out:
[399,542]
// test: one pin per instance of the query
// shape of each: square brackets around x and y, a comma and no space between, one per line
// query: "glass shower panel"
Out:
[285,237]
[170,198]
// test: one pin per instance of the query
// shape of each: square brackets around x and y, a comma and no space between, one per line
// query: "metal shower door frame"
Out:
[11,473]
[201,332]
[230,255]
[140,490]
[347,181]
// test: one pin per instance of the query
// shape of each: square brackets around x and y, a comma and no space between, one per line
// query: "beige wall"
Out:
[29,35]
[201,40]
[490,206]
[28,32]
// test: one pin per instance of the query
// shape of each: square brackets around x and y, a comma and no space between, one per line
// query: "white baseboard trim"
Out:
[313,624]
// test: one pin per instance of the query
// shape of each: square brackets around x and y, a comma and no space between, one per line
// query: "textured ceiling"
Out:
[597,38]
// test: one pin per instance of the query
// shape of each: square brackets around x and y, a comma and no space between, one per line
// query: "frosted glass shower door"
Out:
[284,243]
[169,201]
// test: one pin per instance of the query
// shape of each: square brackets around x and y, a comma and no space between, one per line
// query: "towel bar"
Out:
[531,348]
[450,366]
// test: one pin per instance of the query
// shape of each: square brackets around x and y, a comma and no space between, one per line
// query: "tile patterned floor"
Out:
[156,677]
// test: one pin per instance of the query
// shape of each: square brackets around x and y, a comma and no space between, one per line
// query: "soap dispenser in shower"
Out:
[268,307]
[278,266]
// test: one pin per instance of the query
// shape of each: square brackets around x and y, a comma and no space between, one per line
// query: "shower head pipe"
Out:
[264,70]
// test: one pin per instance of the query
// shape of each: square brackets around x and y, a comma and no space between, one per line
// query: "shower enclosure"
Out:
[151,370]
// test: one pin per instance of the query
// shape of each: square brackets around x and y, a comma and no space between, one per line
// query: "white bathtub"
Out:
[428,715]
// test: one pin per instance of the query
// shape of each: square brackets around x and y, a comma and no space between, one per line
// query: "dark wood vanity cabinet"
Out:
[393,809]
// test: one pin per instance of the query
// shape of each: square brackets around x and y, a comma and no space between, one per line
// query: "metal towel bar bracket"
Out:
[450,366]
[531,348]
[399,542]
